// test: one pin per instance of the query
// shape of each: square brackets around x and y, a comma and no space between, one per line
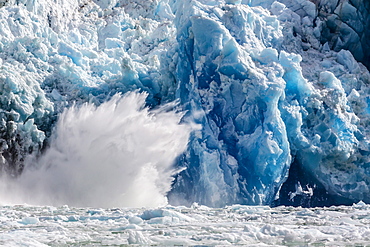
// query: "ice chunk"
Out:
[135,220]
[136,237]
[29,220]
[277,8]
[233,1]
[159,213]
[346,58]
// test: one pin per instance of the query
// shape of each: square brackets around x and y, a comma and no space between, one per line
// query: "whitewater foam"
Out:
[117,154]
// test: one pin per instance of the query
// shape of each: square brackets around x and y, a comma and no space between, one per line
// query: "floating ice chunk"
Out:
[29,221]
[361,205]
[73,218]
[135,220]
[160,213]
[301,191]
[137,237]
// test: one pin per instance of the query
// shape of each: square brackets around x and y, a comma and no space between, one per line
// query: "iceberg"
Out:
[279,90]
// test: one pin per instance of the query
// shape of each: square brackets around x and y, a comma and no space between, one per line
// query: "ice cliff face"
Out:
[281,101]
[345,27]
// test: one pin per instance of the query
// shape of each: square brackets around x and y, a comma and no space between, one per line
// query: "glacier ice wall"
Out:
[345,27]
[227,83]
[277,87]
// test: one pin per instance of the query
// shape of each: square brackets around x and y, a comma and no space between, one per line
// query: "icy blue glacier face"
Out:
[230,81]
[284,112]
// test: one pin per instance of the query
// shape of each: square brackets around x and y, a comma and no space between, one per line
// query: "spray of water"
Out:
[117,154]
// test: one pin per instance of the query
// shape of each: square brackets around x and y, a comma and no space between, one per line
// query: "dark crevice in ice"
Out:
[319,197]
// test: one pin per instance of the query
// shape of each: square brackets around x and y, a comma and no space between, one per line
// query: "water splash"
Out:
[117,154]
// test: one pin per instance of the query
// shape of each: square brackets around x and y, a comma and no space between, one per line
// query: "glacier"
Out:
[278,92]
